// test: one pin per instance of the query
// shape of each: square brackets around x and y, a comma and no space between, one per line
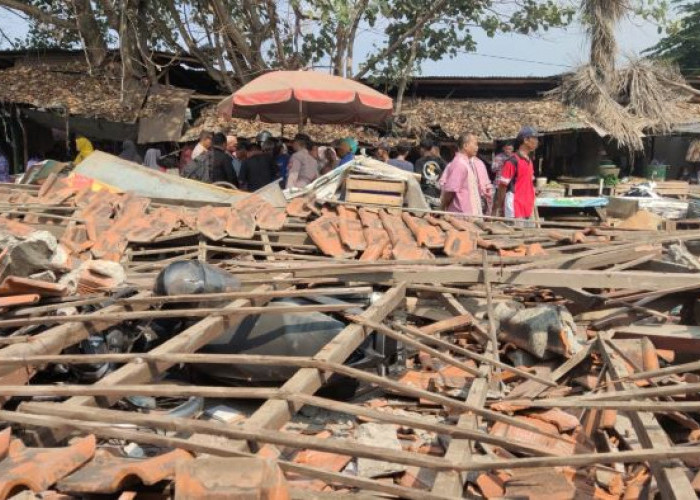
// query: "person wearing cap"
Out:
[402,151]
[516,188]
[303,167]
[465,184]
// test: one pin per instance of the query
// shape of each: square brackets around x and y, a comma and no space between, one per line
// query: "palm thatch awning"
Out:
[491,119]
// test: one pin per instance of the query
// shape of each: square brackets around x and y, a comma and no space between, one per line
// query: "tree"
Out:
[236,40]
[682,44]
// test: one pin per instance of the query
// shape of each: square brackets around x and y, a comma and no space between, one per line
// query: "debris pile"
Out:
[331,348]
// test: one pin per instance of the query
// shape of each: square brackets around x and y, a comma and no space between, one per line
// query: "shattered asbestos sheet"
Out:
[155,350]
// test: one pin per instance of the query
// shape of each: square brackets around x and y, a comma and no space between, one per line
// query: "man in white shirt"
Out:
[203,145]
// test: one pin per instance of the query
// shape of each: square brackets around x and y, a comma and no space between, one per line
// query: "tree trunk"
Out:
[407,73]
[90,32]
[350,42]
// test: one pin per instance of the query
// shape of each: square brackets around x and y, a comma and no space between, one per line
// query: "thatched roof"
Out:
[642,97]
[492,119]
[210,121]
[71,87]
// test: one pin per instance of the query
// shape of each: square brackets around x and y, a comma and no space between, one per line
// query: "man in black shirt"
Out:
[429,163]
[221,164]
[259,169]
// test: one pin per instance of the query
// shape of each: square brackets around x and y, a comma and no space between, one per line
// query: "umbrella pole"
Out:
[301,118]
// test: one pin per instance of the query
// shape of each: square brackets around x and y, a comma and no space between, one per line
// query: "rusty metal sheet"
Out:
[108,473]
[38,468]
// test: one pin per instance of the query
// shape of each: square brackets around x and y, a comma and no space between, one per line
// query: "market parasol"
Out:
[301,96]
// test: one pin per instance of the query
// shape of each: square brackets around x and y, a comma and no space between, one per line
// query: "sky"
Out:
[543,54]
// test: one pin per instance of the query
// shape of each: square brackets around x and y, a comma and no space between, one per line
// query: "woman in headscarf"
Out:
[151,158]
[84,147]
[130,153]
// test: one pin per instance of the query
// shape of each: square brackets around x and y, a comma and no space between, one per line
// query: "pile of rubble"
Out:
[326,348]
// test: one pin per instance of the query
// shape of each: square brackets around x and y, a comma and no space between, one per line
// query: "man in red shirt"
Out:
[516,188]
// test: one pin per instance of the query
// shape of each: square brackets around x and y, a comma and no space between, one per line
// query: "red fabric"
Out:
[524,188]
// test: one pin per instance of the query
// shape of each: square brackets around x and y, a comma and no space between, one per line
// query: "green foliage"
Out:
[682,43]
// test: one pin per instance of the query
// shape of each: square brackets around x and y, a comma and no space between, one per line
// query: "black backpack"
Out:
[514,160]
[199,169]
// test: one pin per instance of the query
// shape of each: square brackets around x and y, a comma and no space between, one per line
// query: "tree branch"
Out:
[420,22]
[38,14]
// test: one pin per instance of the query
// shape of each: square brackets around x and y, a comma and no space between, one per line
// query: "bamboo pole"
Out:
[651,406]
[204,297]
[174,313]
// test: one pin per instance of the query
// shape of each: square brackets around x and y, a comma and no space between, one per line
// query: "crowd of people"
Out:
[466,185]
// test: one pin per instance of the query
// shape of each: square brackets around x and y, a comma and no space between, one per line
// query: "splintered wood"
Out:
[360,349]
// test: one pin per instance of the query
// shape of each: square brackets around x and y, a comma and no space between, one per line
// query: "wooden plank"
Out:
[374,199]
[379,185]
[452,482]
[635,280]
[671,476]
[274,413]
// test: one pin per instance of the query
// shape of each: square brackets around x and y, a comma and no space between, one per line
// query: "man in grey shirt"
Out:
[303,167]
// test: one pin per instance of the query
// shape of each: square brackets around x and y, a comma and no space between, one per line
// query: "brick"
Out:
[271,218]
[350,229]
[225,478]
[212,222]
[240,224]
[426,234]
[324,233]
[459,243]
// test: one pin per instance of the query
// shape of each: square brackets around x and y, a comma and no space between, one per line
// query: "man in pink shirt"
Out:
[465,183]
